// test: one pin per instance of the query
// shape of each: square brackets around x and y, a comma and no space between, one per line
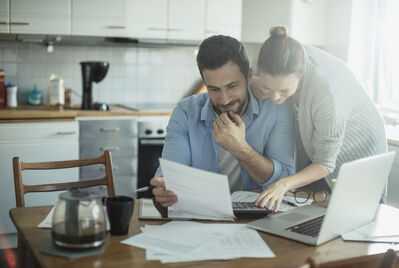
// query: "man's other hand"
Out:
[164,197]
[229,132]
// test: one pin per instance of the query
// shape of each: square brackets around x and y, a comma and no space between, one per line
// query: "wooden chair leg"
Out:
[21,253]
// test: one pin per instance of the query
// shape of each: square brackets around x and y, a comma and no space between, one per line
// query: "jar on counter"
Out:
[12,95]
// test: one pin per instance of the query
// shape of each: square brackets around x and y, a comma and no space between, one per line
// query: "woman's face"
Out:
[278,88]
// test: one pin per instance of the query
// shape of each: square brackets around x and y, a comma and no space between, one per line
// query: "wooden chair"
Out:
[388,260]
[21,189]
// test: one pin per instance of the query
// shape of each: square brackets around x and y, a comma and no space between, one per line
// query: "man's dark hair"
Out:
[217,50]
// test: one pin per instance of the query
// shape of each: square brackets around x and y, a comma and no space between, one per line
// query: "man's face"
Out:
[227,88]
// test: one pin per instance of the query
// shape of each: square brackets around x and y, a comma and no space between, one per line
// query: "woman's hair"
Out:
[216,51]
[281,54]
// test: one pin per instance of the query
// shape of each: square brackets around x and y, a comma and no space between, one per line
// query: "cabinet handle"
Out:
[3,23]
[66,132]
[114,168]
[157,29]
[115,27]
[211,32]
[153,142]
[110,148]
[20,23]
[112,129]
[174,30]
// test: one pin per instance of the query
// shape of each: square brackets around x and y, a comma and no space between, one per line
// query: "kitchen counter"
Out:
[40,113]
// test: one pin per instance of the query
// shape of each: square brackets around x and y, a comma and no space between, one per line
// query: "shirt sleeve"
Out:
[280,144]
[177,144]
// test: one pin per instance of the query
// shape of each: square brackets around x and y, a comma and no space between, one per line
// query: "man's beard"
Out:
[243,105]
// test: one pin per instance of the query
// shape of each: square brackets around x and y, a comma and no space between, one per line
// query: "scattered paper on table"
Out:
[183,241]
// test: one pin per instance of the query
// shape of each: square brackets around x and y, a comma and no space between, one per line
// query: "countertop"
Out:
[52,113]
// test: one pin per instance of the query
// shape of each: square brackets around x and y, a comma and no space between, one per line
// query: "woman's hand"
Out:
[272,195]
[164,197]
[257,89]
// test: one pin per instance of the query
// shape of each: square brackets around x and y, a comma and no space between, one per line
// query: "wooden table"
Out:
[288,253]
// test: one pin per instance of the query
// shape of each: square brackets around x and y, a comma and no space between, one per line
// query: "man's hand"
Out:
[257,89]
[229,132]
[272,195]
[164,197]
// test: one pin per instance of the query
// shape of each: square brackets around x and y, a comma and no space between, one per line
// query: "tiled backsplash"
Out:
[136,74]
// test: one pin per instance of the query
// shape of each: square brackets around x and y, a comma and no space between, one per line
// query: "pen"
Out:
[143,189]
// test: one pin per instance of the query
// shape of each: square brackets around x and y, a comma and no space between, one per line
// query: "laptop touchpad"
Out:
[293,217]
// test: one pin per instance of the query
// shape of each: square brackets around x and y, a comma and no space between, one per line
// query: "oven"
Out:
[151,138]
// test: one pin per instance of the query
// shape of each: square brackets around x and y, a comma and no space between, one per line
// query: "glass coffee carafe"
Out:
[78,220]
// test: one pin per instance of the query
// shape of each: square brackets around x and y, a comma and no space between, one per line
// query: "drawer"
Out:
[121,166]
[48,131]
[118,148]
[107,129]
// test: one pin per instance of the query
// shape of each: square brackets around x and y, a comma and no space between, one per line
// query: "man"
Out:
[228,130]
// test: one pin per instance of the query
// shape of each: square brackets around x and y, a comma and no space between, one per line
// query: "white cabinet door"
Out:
[4,16]
[99,18]
[40,16]
[147,19]
[34,142]
[226,23]
[186,19]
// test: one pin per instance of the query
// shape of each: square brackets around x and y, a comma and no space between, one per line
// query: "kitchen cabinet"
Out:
[4,16]
[226,23]
[306,20]
[148,19]
[35,142]
[186,19]
[166,19]
[40,16]
[99,18]
[119,137]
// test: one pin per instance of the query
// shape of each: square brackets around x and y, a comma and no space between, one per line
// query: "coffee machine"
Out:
[92,71]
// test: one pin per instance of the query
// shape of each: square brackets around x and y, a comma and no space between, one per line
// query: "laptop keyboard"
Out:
[309,228]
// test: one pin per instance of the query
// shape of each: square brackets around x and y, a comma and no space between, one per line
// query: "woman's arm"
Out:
[275,192]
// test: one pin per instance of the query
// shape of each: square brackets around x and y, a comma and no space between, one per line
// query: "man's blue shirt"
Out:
[269,130]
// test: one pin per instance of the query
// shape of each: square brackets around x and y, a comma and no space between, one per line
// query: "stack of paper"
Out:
[183,241]
[384,228]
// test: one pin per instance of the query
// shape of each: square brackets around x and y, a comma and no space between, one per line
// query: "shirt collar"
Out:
[208,115]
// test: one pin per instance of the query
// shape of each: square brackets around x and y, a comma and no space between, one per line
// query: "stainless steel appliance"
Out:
[151,138]
[79,220]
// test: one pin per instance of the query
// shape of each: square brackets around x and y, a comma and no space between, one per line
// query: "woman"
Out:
[336,121]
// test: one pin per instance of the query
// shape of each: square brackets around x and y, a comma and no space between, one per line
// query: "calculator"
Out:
[243,210]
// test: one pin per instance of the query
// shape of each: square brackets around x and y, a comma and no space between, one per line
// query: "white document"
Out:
[384,228]
[247,196]
[182,241]
[201,194]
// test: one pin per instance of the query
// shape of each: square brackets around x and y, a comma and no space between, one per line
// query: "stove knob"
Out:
[148,131]
[160,131]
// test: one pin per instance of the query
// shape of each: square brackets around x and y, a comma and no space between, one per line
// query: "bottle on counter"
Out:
[2,90]
[12,95]
[56,95]
[35,97]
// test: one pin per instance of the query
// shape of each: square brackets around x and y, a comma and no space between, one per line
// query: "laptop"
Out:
[353,202]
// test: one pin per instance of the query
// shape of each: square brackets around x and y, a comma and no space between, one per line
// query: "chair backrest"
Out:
[21,189]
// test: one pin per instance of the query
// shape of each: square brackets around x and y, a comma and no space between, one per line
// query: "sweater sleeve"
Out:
[330,113]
